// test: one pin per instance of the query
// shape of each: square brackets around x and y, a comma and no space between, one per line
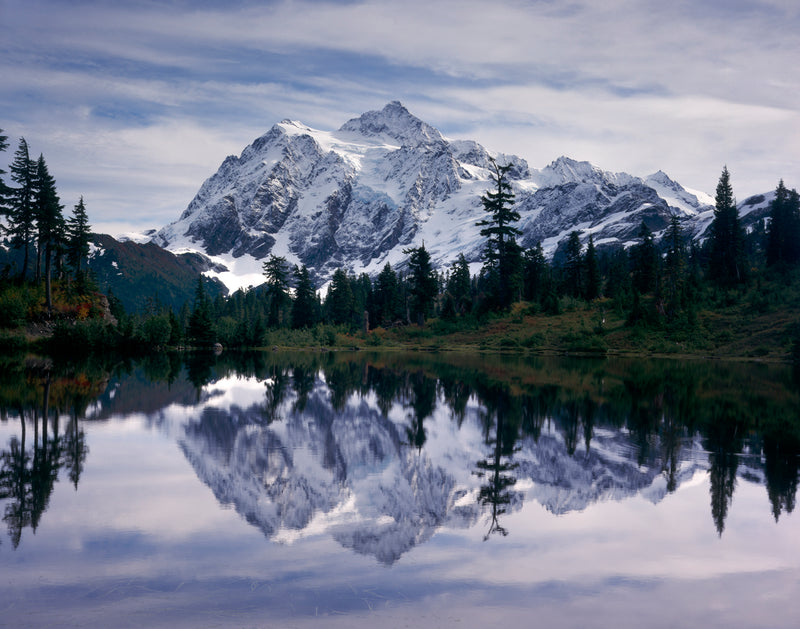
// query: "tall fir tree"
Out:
[200,328]
[339,302]
[726,248]
[387,306]
[50,223]
[362,300]
[21,218]
[674,267]
[78,232]
[423,285]
[537,274]
[5,191]
[277,274]
[304,307]
[590,263]
[459,284]
[783,229]
[573,265]
[644,258]
[502,256]
[794,227]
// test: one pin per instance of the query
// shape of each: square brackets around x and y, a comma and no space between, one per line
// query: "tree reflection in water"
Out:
[539,419]
[30,465]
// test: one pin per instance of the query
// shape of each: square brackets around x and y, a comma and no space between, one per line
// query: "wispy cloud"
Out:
[135,103]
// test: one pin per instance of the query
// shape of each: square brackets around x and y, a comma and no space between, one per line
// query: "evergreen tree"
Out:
[387,306]
[5,191]
[592,267]
[459,286]
[304,307]
[49,222]
[339,303]
[573,265]
[21,219]
[200,328]
[618,277]
[794,227]
[502,256]
[644,257]
[675,266]
[362,299]
[277,274]
[175,329]
[78,232]
[783,231]
[423,286]
[726,253]
[537,274]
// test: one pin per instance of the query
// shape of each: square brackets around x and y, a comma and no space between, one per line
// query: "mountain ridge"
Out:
[355,198]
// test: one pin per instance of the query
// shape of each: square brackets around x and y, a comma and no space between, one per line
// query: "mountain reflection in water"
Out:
[380,452]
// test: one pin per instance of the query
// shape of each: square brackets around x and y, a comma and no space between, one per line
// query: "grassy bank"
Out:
[736,331]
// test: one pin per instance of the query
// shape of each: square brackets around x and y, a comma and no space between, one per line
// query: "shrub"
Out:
[584,341]
[10,342]
[81,336]
[156,331]
[13,308]
[534,340]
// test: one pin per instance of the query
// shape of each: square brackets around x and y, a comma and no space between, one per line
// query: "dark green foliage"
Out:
[538,277]
[573,265]
[422,284]
[387,305]
[592,267]
[176,333]
[49,221]
[644,258]
[726,263]
[77,233]
[5,191]
[362,300]
[448,312]
[277,273]
[459,285]
[618,276]
[201,330]
[339,303]
[502,256]
[783,230]
[83,337]
[115,306]
[21,218]
[15,302]
[675,288]
[157,330]
[305,305]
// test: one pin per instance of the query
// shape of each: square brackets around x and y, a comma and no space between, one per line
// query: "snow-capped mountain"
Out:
[386,181]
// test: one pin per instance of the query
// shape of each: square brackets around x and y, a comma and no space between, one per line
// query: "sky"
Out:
[134,104]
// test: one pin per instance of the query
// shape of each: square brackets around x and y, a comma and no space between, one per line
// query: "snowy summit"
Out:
[386,181]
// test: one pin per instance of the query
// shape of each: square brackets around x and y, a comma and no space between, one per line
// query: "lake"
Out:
[398,490]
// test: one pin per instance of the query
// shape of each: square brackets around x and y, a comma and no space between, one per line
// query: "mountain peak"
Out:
[567,170]
[395,122]
[356,198]
[661,177]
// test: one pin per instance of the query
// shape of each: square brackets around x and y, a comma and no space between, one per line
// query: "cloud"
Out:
[136,103]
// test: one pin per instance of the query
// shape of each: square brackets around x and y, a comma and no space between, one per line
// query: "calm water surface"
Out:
[333,490]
